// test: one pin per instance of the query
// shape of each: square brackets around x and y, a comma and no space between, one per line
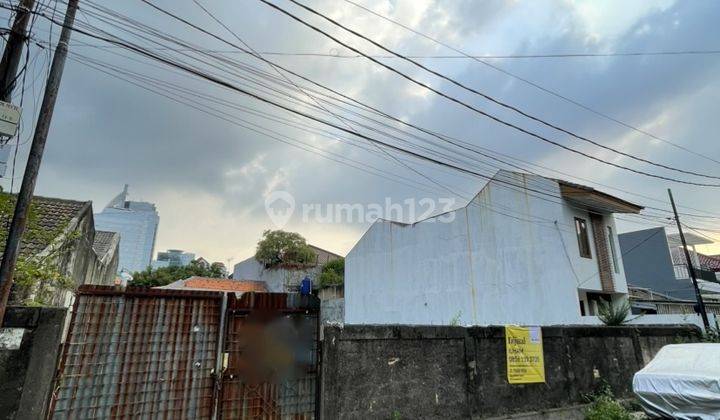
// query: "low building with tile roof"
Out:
[220,285]
[285,278]
[66,228]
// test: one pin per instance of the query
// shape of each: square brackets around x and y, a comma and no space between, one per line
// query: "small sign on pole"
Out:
[524,348]
[9,118]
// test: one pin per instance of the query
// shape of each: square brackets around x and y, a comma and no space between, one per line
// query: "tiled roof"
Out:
[707,262]
[223,285]
[317,248]
[103,241]
[48,216]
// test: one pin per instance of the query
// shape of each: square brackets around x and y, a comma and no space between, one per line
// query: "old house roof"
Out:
[104,241]
[318,249]
[223,285]
[710,262]
[48,218]
[592,198]
[707,262]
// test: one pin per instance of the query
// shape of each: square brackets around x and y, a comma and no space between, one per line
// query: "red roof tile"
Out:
[225,285]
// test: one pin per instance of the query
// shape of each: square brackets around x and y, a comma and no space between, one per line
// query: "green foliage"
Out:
[613,314]
[712,335]
[455,321]
[166,275]
[605,407]
[333,273]
[38,278]
[217,267]
[278,247]
[395,415]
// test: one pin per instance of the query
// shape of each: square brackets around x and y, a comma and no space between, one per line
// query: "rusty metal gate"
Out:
[151,353]
[271,348]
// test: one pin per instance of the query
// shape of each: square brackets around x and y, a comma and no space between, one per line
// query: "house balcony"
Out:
[681,273]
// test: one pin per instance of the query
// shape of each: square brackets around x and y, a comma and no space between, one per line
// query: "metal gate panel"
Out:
[272,366]
[139,354]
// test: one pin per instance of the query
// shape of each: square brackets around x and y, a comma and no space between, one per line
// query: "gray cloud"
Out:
[106,132]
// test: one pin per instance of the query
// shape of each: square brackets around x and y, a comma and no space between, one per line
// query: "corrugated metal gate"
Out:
[149,353]
[271,345]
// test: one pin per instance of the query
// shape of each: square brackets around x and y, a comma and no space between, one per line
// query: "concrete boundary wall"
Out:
[455,372]
[30,340]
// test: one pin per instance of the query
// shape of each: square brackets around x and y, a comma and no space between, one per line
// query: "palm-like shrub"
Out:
[613,314]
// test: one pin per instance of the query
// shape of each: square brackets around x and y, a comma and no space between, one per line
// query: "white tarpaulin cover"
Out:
[682,382]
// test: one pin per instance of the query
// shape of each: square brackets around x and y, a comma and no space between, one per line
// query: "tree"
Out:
[219,268]
[278,247]
[166,275]
[333,273]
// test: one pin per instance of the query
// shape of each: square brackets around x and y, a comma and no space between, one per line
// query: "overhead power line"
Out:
[198,73]
[477,110]
[456,56]
[442,137]
[479,175]
[171,94]
[275,104]
[319,104]
[381,113]
[601,114]
[488,97]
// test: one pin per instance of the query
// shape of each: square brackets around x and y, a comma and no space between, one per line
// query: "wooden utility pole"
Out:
[13,50]
[691,269]
[24,197]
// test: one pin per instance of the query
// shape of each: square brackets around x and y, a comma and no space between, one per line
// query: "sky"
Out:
[210,177]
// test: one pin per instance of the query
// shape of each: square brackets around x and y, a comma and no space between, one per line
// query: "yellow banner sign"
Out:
[525,363]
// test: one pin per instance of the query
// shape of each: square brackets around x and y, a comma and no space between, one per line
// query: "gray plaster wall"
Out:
[278,279]
[332,311]
[414,372]
[30,340]
[648,263]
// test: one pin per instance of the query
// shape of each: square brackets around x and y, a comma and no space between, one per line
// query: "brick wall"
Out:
[605,268]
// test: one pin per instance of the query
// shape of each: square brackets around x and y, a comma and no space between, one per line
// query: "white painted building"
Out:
[525,250]
[283,279]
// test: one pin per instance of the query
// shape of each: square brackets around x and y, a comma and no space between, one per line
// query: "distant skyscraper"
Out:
[137,223]
[173,258]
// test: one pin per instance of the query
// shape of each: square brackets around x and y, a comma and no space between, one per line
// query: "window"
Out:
[582,237]
[613,252]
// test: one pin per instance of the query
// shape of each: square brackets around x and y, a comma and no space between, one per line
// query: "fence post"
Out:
[220,357]
[471,370]
[638,347]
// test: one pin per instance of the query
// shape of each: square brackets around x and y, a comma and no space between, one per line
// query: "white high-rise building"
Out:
[137,223]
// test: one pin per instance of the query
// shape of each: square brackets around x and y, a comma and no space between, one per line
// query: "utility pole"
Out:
[24,197]
[13,50]
[691,269]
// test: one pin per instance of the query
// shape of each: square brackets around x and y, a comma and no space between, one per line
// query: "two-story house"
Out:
[525,250]
[655,260]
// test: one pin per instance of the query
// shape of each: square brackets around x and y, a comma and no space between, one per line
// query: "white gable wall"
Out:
[278,280]
[499,261]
